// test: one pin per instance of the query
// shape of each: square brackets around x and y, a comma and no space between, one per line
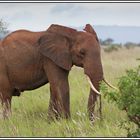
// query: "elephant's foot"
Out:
[53,115]
[5,114]
[57,113]
[91,114]
[92,117]
[5,107]
[1,113]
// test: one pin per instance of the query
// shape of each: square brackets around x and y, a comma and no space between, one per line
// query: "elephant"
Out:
[29,60]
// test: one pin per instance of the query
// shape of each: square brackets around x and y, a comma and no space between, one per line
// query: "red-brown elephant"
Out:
[29,60]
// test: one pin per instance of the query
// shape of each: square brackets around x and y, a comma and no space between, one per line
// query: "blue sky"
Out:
[38,16]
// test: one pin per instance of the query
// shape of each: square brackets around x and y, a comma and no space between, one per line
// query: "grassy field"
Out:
[29,118]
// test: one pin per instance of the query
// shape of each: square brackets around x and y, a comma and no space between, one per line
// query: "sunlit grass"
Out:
[29,111]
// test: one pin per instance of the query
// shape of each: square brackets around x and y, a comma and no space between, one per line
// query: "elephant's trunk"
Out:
[93,98]
[94,76]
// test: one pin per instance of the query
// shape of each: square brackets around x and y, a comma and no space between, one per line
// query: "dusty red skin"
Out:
[29,60]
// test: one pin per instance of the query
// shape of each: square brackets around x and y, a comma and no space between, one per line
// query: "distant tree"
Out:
[3,28]
[129,45]
[108,41]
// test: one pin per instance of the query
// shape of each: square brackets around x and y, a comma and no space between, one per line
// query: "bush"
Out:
[137,58]
[127,97]
[111,48]
[130,45]
[108,41]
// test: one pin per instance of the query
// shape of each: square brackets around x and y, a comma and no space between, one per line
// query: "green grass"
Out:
[29,111]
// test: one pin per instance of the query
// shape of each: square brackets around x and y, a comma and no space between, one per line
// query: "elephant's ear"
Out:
[88,28]
[56,47]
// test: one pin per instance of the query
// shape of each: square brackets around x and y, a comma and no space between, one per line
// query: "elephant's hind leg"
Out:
[6,105]
[5,96]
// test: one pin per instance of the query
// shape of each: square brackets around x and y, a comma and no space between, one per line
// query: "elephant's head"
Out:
[67,47]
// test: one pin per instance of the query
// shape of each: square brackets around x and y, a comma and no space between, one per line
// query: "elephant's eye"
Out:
[82,51]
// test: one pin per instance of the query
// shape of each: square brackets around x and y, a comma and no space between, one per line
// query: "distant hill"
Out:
[120,34]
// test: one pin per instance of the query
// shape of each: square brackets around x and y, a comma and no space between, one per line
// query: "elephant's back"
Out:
[21,36]
[20,48]
[21,41]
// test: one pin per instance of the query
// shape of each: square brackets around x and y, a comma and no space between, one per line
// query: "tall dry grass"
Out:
[29,118]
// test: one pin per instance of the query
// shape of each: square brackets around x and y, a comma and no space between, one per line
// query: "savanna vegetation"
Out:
[127,98]
[29,116]
[29,111]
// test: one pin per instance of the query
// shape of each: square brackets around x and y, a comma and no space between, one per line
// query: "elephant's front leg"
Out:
[59,99]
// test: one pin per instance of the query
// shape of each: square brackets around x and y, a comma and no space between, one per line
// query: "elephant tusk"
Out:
[92,86]
[109,84]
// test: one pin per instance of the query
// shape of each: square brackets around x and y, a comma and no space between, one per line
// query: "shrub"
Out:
[127,97]
[130,45]
[108,41]
[137,58]
[111,48]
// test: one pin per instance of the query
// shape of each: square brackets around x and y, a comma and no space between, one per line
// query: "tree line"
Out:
[110,41]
